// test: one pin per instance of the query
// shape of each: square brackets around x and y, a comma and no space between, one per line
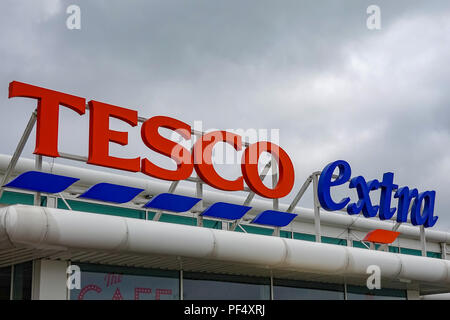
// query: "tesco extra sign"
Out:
[200,159]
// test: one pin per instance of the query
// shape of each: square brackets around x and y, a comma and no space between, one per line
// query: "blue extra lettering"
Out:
[364,203]
[404,196]
[426,217]
[326,182]
[387,186]
[422,209]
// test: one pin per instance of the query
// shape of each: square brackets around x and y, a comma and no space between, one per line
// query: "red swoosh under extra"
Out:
[381,236]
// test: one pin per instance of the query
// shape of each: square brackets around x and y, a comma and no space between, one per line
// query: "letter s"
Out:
[173,150]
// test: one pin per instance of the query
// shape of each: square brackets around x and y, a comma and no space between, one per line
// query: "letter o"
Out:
[249,167]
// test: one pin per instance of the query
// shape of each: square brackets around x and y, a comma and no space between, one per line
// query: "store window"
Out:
[100,282]
[5,283]
[22,277]
[201,286]
[363,293]
[330,240]
[303,290]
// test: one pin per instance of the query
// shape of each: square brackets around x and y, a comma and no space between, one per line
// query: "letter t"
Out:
[47,113]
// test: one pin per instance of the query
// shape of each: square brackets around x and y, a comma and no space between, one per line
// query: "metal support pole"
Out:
[349,239]
[18,151]
[243,230]
[199,206]
[271,285]
[276,231]
[181,285]
[73,157]
[69,264]
[157,215]
[444,250]
[224,225]
[65,201]
[172,188]
[251,194]
[52,202]
[275,182]
[345,289]
[38,167]
[264,173]
[423,241]
[358,239]
[316,209]
[300,194]
[11,289]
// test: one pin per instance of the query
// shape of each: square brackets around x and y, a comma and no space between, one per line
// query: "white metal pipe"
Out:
[359,259]
[314,257]
[50,228]
[89,177]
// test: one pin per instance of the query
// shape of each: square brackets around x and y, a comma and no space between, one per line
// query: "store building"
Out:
[77,233]
[127,252]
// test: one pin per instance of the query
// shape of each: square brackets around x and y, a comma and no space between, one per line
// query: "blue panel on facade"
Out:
[226,211]
[274,218]
[111,193]
[172,202]
[41,182]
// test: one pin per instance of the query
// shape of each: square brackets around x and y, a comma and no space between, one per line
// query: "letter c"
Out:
[202,154]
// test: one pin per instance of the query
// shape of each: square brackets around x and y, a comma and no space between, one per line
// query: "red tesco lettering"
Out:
[100,135]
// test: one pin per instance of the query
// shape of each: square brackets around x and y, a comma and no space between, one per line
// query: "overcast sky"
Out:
[378,99]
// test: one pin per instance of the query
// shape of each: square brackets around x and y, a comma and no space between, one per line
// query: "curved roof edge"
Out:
[56,229]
